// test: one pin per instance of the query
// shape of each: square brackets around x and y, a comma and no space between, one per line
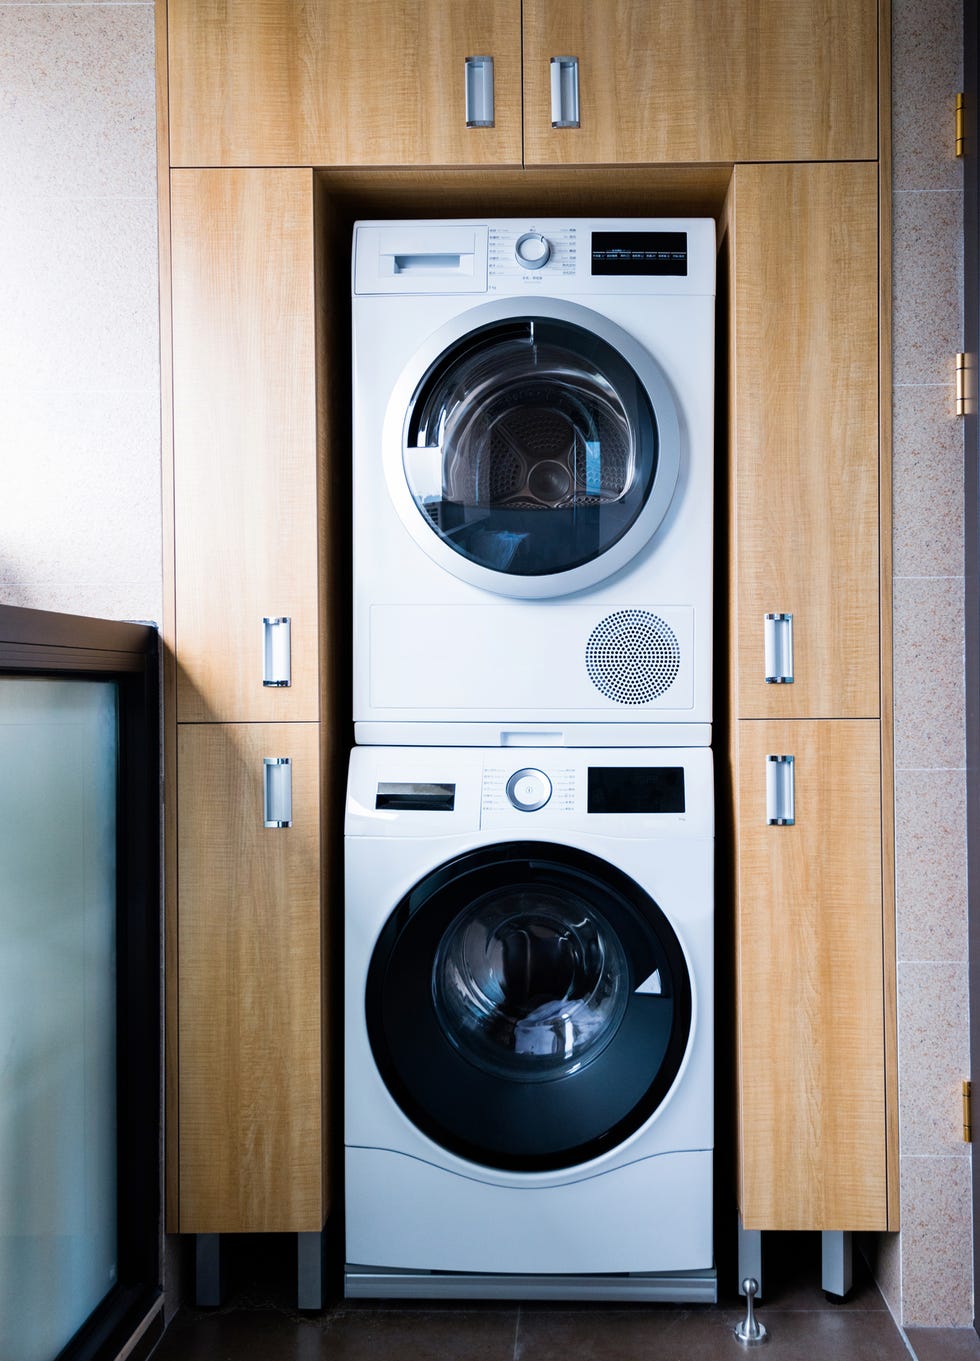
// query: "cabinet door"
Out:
[334,82]
[805,438]
[249,989]
[813,1148]
[245,474]
[705,80]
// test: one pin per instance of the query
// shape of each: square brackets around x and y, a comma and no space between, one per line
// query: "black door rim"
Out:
[515,1122]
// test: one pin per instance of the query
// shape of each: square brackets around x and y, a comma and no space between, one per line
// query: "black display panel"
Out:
[415,796]
[644,789]
[639,253]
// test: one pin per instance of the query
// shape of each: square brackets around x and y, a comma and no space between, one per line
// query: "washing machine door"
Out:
[528,1006]
[532,452]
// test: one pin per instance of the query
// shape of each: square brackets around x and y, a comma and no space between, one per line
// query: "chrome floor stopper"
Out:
[750,1330]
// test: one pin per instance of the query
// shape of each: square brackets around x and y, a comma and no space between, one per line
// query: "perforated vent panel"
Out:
[632,656]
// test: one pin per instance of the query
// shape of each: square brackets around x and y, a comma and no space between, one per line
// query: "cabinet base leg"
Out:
[749,1258]
[836,1265]
[310,1263]
[208,1279]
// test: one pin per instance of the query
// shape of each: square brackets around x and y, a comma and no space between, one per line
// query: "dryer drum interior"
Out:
[528,1006]
[531,446]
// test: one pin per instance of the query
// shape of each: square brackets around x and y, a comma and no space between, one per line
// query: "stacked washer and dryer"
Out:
[530,816]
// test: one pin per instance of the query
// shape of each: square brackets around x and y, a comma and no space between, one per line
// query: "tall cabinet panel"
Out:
[334,82]
[245,507]
[249,960]
[805,436]
[811,1001]
[703,80]
[813,944]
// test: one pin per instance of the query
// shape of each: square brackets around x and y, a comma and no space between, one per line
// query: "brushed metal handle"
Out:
[276,651]
[479,92]
[564,92]
[780,791]
[778,633]
[278,791]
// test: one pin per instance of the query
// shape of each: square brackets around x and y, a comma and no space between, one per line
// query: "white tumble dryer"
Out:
[533,446]
[528,1039]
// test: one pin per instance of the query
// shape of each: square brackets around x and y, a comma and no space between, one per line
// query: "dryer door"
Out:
[528,1006]
[532,453]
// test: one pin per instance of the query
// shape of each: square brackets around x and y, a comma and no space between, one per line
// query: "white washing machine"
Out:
[533,448]
[529,1047]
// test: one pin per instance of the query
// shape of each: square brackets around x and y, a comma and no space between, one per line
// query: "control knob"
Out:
[533,250]
[528,790]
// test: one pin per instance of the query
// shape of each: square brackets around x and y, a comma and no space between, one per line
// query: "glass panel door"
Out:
[58,1198]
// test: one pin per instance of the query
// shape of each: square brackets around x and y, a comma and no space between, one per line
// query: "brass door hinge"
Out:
[961,125]
[966,384]
[967,1111]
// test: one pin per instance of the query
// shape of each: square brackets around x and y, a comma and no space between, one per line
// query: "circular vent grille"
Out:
[632,656]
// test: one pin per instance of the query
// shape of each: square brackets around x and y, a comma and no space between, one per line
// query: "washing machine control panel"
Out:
[523,256]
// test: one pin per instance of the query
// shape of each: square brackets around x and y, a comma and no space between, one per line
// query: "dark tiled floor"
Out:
[258,1324]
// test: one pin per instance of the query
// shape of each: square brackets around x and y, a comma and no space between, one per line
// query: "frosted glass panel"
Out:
[58,756]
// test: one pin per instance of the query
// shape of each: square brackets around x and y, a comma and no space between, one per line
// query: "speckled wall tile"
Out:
[78,293]
[927,502]
[928,673]
[936,1232]
[930,855]
[934,1055]
[76,82]
[927,65]
[927,285]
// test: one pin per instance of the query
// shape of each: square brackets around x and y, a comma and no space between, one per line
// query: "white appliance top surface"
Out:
[427,792]
[584,256]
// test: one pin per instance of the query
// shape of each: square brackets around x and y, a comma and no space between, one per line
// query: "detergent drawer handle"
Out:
[479,92]
[278,791]
[564,92]
[780,791]
[276,651]
[779,649]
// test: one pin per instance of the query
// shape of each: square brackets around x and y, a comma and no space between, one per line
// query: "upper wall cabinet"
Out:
[385,82]
[343,82]
[702,80]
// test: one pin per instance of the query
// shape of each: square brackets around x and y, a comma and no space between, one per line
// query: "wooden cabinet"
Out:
[705,80]
[250,955]
[804,456]
[381,82]
[245,467]
[815,1077]
[811,981]
[334,82]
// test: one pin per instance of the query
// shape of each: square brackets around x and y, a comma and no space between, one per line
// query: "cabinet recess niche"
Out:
[286,123]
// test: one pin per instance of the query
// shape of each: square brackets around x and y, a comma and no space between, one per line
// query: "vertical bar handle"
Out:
[780,791]
[564,92]
[479,92]
[779,649]
[278,792]
[276,648]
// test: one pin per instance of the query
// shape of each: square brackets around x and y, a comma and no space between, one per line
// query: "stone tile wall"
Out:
[926,1271]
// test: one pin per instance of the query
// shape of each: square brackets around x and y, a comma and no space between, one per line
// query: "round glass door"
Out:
[538,453]
[528,1006]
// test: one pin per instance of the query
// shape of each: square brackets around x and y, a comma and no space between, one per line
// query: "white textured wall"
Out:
[79,334]
[80,473]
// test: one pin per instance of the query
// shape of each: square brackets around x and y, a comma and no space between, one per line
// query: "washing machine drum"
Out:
[528,1006]
[539,453]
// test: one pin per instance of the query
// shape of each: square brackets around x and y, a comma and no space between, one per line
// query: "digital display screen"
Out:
[639,253]
[415,796]
[644,789]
